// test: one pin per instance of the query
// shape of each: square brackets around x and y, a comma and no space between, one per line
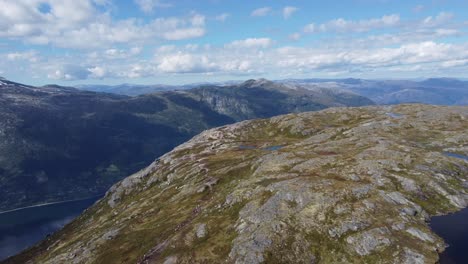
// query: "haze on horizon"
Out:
[176,42]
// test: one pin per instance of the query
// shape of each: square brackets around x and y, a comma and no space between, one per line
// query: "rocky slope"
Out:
[59,143]
[264,98]
[343,185]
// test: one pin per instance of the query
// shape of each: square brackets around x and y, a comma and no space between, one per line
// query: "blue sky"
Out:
[72,42]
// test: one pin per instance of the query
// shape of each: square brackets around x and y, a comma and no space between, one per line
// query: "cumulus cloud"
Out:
[114,53]
[30,56]
[80,24]
[310,28]
[22,17]
[308,60]
[263,11]
[288,11]
[222,17]
[341,25]
[69,72]
[440,19]
[232,60]
[295,36]
[250,43]
[185,63]
[408,54]
[455,63]
[148,6]
[207,60]
[97,72]
[184,33]
[114,46]
[137,70]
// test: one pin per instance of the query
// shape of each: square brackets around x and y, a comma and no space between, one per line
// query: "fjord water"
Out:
[453,229]
[23,228]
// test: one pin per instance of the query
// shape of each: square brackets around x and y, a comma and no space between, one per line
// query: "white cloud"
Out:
[138,70]
[115,46]
[250,43]
[166,49]
[310,28]
[97,72]
[30,56]
[263,11]
[131,30]
[69,72]
[288,11]
[295,36]
[454,63]
[25,16]
[185,63]
[184,33]
[119,53]
[444,32]
[207,60]
[343,26]
[148,6]
[312,60]
[381,58]
[198,20]
[135,50]
[232,60]
[441,19]
[222,17]
[80,24]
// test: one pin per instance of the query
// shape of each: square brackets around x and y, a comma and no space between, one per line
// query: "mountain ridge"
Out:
[376,89]
[341,185]
[60,143]
[440,91]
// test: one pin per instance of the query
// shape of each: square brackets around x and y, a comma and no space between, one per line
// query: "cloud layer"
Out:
[79,24]
[92,43]
[259,59]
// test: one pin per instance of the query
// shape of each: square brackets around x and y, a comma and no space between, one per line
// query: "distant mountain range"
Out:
[439,91]
[60,143]
[139,89]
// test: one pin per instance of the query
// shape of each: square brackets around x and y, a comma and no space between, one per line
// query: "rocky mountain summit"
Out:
[342,185]
[60,143]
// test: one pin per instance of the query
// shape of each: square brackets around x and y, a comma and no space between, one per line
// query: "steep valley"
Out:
[60,143]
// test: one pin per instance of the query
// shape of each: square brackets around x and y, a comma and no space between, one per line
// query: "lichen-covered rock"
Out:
[420,234]
[366,242]
[411,257]
[201,231]
[348,185]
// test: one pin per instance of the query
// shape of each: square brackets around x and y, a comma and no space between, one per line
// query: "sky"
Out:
[71,42]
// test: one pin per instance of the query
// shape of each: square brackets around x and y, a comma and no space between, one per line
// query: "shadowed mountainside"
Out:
[59,143]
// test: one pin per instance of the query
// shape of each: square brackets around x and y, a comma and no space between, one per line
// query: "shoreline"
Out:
[45,204]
